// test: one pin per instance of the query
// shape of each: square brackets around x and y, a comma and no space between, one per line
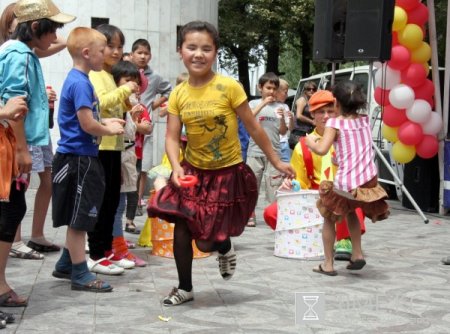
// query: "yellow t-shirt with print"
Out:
[210,120]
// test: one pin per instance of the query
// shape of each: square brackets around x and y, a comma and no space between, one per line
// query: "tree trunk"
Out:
[243,74]
[307,50]
[273,53]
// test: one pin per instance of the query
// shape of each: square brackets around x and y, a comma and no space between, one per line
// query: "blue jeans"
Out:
[285,152]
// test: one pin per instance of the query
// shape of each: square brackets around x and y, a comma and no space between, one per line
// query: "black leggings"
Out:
[12,213]
[100,240]
[183,253]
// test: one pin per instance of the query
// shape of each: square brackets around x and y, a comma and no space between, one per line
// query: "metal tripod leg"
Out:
[399,183]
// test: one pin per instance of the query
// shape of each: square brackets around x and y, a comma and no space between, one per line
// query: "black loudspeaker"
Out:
[329,30]
[368,32]
[421,178]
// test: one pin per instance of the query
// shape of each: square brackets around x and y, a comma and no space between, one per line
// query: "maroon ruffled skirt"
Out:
[217,207]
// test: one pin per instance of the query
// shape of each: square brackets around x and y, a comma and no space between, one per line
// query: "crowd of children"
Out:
[105,125]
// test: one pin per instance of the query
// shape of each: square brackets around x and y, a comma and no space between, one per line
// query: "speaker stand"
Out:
[397,181]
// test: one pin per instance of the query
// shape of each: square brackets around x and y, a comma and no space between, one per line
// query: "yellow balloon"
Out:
[411,36]
[422,54]
[403,153]
[400,19]
[389,133]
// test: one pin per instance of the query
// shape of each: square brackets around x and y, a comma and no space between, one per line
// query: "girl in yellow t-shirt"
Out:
[221,202]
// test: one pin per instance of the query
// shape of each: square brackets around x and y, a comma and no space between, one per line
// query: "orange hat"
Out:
[320,99]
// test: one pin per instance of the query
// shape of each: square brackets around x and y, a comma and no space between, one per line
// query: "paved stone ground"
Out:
[403,288]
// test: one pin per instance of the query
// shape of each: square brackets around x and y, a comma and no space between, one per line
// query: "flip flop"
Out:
[321,271]
[356,265]
[11,299]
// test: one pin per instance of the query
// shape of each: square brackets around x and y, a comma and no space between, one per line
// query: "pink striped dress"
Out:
[354,152]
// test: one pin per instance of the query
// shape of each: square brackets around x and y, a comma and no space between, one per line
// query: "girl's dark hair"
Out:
[350,97]
[198,26]
[110,31]
[25,33]
[125,69]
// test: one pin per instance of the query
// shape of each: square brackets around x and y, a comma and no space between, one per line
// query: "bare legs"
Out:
[41,203]
[329,235]
[4,252]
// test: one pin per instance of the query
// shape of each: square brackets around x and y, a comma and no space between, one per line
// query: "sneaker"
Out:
[343,250]
[104,266]
[120,261]
[138,262]
[178,296]
[227,263]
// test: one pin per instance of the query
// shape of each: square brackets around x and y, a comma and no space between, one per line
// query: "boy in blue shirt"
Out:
[78,176]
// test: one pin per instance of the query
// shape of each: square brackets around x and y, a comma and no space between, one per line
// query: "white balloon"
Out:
[433,125]
[401,96]
[387,78]
[419,112]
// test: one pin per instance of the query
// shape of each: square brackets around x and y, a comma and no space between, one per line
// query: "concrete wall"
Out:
[155,20]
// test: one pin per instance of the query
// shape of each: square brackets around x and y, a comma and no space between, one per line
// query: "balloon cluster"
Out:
[403,90]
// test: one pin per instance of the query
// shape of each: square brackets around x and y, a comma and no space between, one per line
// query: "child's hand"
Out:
[133,86]
[136,112]
[177,173]
[268,99]
[286,169]
[15,108]
[280,112]
[51,94]
[286,185]
[114,125]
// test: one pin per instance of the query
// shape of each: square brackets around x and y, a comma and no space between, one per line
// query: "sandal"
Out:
[43,248]
[131,228]
[11,299]
[96,285]
[7,317]
[251,222]
[30,255]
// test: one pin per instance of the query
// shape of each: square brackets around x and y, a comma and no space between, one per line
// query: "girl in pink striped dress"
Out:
[356,182]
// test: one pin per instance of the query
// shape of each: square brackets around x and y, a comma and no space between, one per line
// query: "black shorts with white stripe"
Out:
[78,187]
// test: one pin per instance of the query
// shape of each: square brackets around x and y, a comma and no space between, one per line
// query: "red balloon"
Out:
[414,75]
[394,117]
[410,133]
[407,4]
[428,147]
[381,96]
[399,58]
[395,38]
[418,15]
[425,92]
